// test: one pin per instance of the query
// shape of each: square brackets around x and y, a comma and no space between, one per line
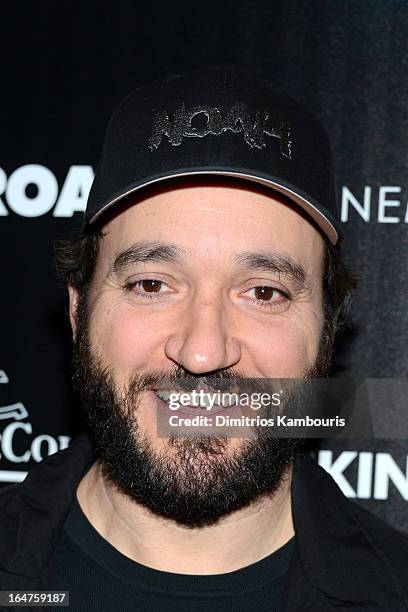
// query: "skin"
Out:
[205,317]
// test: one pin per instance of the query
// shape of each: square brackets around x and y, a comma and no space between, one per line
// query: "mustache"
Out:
[179,379]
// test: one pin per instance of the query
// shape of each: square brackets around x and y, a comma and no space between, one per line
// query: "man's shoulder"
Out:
[369,557]
[32,512]
[54,475]
[390,548]
[7,492]
[383,535]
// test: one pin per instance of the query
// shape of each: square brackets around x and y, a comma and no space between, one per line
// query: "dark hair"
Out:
[75,260]
[339,284]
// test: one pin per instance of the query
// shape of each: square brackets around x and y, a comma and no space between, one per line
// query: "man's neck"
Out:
[238,540]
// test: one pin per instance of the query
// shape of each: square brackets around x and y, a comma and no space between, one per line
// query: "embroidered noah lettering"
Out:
[237,120]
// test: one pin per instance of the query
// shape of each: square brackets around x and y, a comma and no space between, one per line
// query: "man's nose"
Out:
[203,342]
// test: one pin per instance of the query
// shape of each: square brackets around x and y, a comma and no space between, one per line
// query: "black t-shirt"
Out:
[99,577]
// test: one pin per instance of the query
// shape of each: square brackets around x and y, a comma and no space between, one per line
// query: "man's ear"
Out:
[73,309]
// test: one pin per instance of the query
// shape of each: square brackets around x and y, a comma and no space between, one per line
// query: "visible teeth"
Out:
[205,401]
[226,401]
[164,395]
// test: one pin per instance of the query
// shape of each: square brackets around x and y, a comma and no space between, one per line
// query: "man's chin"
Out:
[197,481]
[202,444]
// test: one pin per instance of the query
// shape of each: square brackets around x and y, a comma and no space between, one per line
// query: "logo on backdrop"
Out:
[16,428]
[375,472]
[33,190]
[381,204]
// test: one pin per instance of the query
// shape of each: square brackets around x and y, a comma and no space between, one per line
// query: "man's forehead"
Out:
[218,204]
[210,221]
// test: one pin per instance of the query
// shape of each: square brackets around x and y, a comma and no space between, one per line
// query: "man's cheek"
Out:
[282,354]
[293,356]
[305,330]
[120,337]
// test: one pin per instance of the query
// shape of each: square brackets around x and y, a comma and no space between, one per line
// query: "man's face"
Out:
[203,279]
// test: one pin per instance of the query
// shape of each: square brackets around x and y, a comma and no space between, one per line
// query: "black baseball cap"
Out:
[217,120]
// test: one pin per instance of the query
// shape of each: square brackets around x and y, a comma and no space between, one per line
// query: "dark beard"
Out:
[199,480]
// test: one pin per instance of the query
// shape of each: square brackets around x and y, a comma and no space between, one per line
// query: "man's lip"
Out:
[190,410]
[176,389]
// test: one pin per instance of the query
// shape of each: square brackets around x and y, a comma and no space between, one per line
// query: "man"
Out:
[209,255]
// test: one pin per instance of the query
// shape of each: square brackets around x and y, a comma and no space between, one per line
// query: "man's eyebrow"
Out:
[278,263]
[147,251]
[156,251]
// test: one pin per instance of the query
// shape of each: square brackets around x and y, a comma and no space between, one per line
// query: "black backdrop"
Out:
[64,67]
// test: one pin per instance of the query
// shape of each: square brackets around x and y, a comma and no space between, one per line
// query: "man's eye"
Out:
[269,295]
[146,286]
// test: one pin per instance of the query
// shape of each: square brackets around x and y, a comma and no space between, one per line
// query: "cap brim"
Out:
[310,207]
